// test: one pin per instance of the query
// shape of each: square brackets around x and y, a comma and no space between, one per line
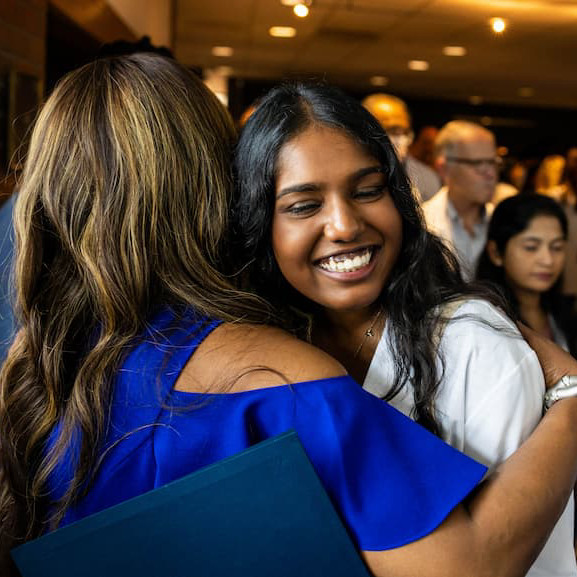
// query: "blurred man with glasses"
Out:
[466,158]
[393,115]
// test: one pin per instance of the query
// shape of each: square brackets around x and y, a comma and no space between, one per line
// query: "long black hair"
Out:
[426,273]
[511,217]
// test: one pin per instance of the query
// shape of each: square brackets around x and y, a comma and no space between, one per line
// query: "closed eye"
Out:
[370,193]
[302,208]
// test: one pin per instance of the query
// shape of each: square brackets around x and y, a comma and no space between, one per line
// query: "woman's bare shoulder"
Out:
[244,357]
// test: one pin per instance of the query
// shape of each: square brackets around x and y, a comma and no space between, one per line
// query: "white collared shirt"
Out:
[489,401]
[443,220]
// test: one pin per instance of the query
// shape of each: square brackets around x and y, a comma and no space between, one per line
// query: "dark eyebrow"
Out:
[305,187]
[366,171]
[537,239]
[312,187]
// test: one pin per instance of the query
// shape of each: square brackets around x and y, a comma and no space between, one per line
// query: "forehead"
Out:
[477,143]
[321,150]
[544,227]
[392,115]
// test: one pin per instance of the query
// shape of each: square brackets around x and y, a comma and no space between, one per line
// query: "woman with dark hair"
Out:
[524,257]
[334,239]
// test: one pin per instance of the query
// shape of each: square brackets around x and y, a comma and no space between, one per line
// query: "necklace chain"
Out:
[369,333]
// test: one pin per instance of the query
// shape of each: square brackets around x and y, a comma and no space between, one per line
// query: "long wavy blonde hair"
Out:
[123,206]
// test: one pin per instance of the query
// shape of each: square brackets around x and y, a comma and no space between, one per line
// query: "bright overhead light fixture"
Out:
[454,50]
[282,31]
[498,25]
[379,80]
[420,65]
[224,51]
[290,2]
[301,10]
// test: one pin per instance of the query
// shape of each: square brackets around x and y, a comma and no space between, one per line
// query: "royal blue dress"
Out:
[391,481]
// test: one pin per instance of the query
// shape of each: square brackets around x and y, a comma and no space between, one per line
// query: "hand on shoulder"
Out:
[555,362]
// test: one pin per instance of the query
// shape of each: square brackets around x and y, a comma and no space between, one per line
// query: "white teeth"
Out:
[345,263]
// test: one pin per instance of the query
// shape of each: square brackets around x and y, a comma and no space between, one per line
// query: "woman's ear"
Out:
[494,253]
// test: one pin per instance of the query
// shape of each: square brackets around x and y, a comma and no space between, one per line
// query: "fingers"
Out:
[555,362]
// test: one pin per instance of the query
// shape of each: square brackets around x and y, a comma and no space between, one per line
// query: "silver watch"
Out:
[566,387]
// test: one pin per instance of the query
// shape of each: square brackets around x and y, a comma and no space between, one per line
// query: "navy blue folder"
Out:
[262,512]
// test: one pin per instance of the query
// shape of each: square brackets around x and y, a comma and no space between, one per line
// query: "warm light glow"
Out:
[224,70]
[498,25]
[476,100]
[282,31]
[301,10]
[224,51]
[290,2]
[379,80]
[526,92]
[420,65]
[454,51]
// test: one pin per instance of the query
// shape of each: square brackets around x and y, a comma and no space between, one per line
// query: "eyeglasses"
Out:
[477,163]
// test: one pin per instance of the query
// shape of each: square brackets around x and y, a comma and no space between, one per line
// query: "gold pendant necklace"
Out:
[369,333]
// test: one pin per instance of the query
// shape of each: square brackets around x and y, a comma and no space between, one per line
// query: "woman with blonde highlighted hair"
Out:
[138,361]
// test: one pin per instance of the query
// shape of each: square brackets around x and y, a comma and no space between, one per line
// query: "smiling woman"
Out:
[334,238]
[336,231]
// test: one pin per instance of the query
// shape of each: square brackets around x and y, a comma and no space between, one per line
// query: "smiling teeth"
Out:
[346,264]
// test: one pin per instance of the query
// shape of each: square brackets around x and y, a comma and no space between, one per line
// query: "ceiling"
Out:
[533,63]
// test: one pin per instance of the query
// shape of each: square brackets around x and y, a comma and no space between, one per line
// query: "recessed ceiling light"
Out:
[301,10]
[223,51]
[476,100]
[420,65]
[454,50]
[379,80]
[498,25]
[526,92]
[282,31]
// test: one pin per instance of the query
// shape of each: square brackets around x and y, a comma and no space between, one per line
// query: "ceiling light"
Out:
[379,80]
[526,92]
[224,51]
[282,31]
[454,51]
[498,25]
[420,65]
[301,10]
[476,100]
[290,2]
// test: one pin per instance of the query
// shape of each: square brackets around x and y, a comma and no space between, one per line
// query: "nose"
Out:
[489,171]
[344,223]
[546,256]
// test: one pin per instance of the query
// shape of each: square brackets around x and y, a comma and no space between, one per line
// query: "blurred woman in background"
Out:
[525,256]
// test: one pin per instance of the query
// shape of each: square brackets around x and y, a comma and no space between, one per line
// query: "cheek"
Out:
[516,265]
[279,244]
[290,244]
[560,261]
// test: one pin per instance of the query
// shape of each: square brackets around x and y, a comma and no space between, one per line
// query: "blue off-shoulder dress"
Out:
[391,481]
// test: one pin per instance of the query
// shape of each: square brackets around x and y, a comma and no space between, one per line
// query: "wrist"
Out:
[566,387]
